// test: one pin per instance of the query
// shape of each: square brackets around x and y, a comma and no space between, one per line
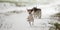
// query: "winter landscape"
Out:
[13,15]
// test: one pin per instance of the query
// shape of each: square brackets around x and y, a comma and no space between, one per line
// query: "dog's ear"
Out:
[31,9]
[27,9]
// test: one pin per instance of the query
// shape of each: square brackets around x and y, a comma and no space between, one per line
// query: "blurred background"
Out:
[13,14]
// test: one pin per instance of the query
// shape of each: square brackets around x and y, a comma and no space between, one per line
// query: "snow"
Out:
[19,21]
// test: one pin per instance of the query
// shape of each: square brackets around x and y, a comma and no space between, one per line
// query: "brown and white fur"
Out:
[30,17]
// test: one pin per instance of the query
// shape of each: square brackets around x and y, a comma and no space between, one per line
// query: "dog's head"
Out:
[29,11]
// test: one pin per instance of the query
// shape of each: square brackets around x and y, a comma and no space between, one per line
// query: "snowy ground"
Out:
[19,21]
